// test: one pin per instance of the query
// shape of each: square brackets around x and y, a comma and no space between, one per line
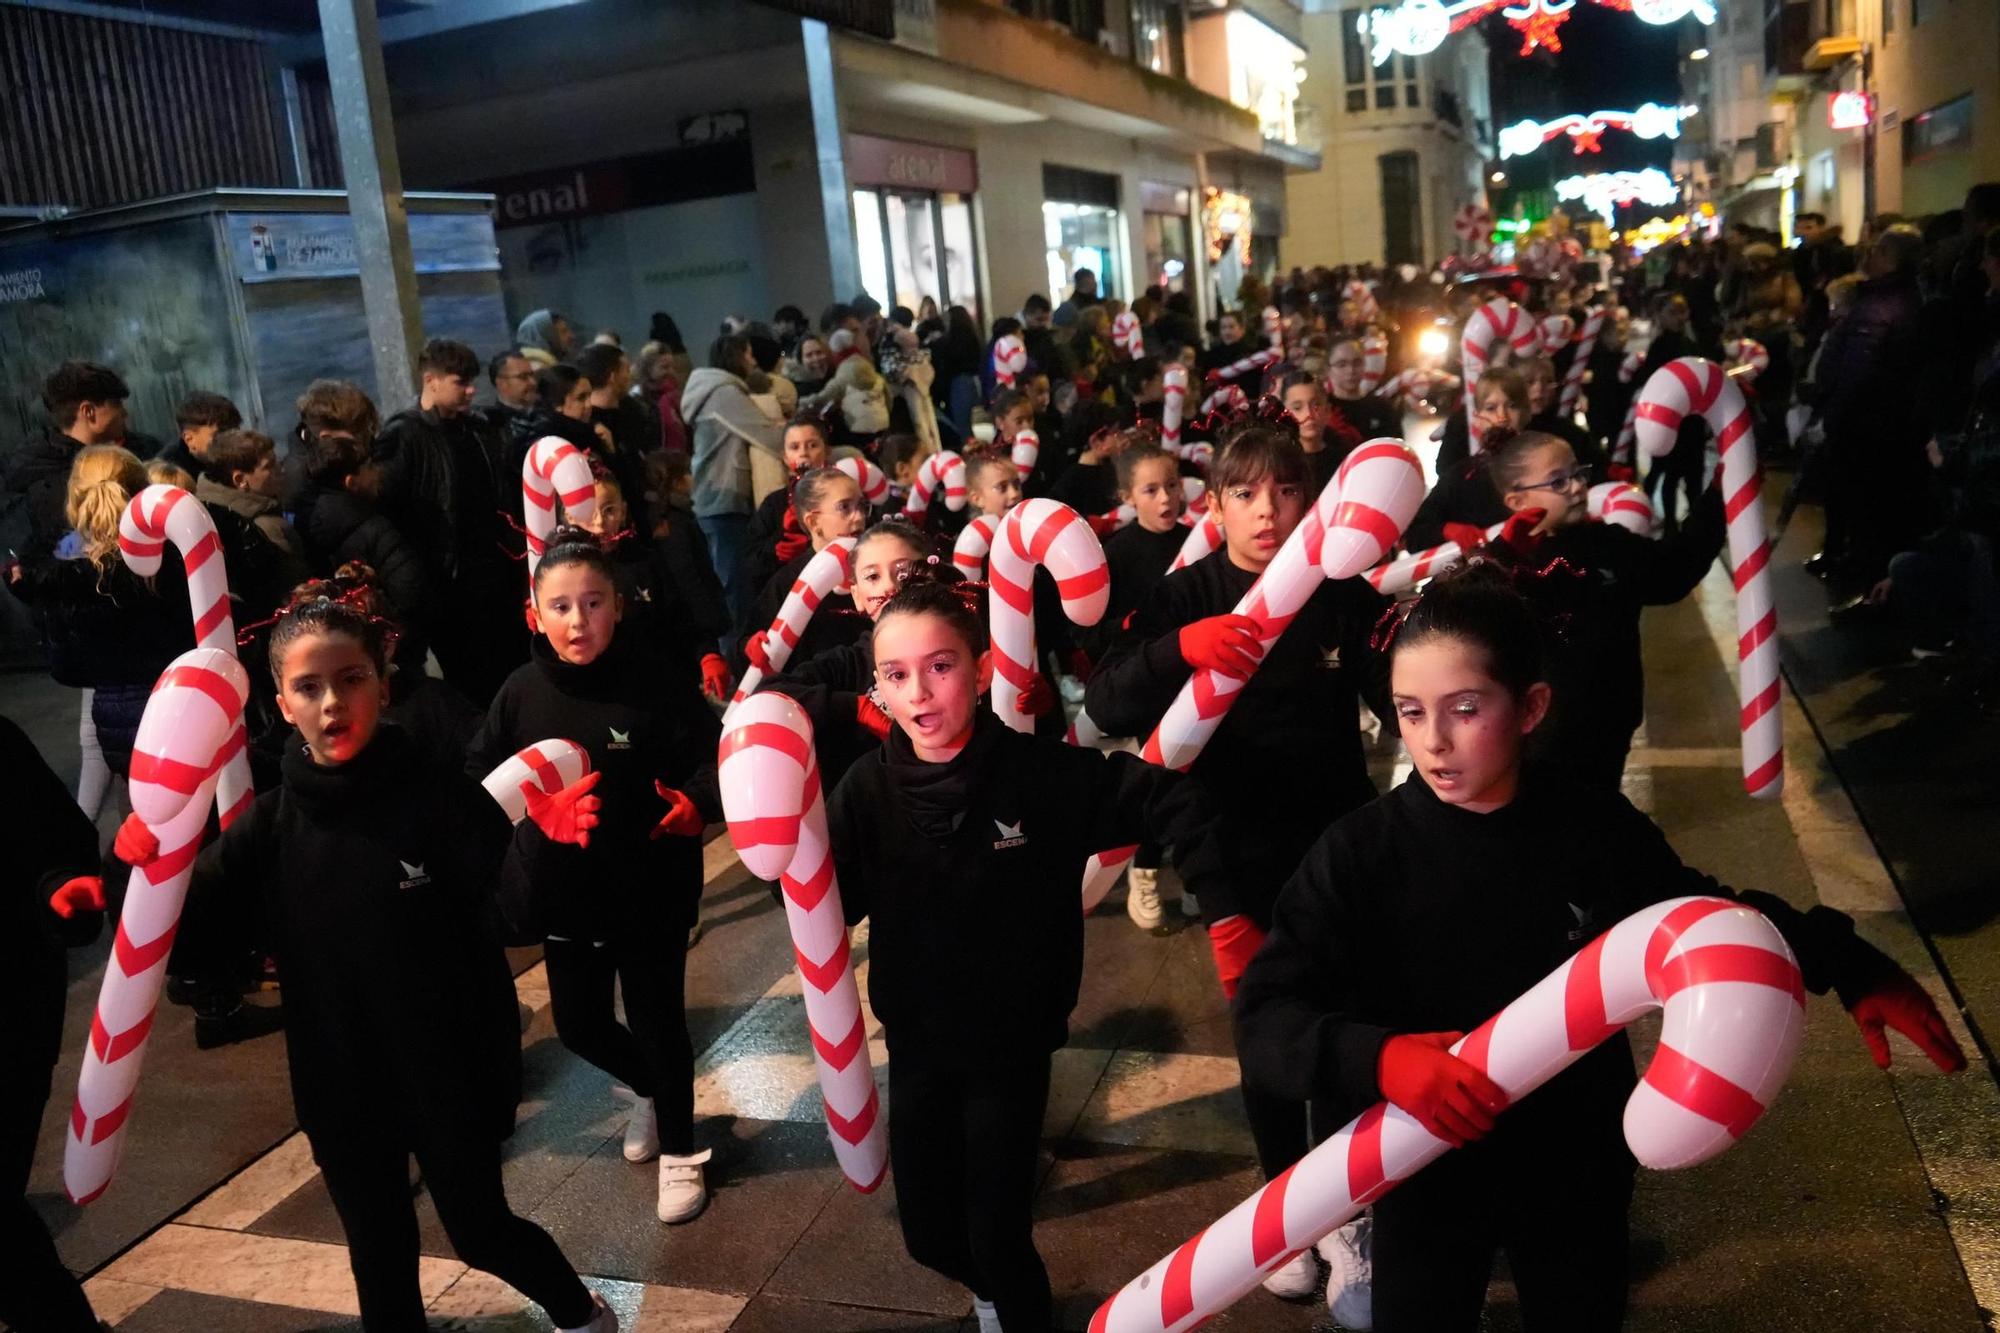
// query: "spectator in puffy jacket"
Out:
[86,406]
[727,426]
[855,390]
[344,525]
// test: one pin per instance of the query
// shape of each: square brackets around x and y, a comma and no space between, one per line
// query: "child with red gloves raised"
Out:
[617,906]
[775,536]
[673,603]
[1419,916]
[1287,759]
[828,505]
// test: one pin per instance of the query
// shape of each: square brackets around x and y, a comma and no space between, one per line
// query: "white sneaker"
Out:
[682,1192]
[1296,1279]
[1142,897]
[988,1317]
[642,1132]
[1189,907]
[603,1320]
[1349,1252]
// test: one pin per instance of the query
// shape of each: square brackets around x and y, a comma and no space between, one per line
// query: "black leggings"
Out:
[38,1295]
[962,1146]
[370,1185]
[655,1056]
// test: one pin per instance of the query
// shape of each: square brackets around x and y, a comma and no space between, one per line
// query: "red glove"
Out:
[1469,536]
[1519,535]
[1417,1072]
[1234,941]
[570,814]
[135,844]
[1902,1004]
[715,680]
[1037,699]
[759,655]
[682,820]
[791,538]
[1225,643]
[1619,472]
[872,718]
[85,893]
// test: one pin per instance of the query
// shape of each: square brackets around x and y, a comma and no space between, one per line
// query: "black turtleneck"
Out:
[970,873]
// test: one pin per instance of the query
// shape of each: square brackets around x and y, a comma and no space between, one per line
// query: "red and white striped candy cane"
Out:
[1274,330]
[1499,320]
[1201,453]
[1628,369]
[1692,384]
[1628,435]
[1405,385]
[1054,536]
[551,765]
[191,729]
[1202,539]
[1227,396]
[1586,345]
[822,575]
[1127,336]
[1747,357]
[1556,331]
[1374,361]
[874,483]
[1010,359]
[1734,1017]
[1255,361]
[1407,571]
[1175,380]
[1622,503]
[554,470]
[777,819]
[1027,447]
[1366,308]
[974,544]
[942,474]
[1359,515]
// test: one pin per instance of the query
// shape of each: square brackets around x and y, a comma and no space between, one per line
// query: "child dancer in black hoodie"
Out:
[1422,914]
[369,870]
[954,813]
[617,907]
[1287,760]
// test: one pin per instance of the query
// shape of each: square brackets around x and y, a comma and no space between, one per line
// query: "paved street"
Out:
[1864,1201]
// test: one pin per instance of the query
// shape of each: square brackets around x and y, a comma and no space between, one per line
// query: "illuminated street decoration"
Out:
[1602,192]
[1650,121]
[1418,27]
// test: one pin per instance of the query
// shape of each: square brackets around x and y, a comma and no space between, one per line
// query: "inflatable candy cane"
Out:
[1054,536]
[1622,503]
[1203,539]
[1201,453]
[1366,308]
[1127,336]
[1274,330]
[1175,379]
[1692,385]
[1194,503]
[974,544]
[1586,345]
[551,765]
[1026,449]
[1255,361]
[191,730]
[822,574]
[1409,570]
[944,472]
[1628,369]
[554,470]
[1556,332]
[1499,320]
[1010,359]
[1734,1016]
[1359,515]
[874,483]
[1227,397]
[1628,434]
[1374,361]
[777,819]
[1747,358]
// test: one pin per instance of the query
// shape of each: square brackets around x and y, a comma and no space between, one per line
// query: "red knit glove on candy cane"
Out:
[1619,472]
[682,820]
[1234,941]
[715,680]
[135,844]
[872,718]
[85,893]
[570,814]
[1469,536]
[1902,1004]
[754,648]
[1417,1072]
[1226,643]
[1519,535]
[1037,699]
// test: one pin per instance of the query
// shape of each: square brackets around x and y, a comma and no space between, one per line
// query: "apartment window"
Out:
[1400,202]
[1361,74]
[1940,129]
[1158,36]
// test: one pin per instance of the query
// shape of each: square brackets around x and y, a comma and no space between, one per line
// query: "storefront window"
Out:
[913,222]
[1081,236]
[1168,230]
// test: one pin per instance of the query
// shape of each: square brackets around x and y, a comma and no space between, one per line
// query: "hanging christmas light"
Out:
[1602,192]
[1417,27]
[1650,121]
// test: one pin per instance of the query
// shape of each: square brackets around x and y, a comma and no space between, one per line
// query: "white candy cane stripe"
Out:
[1628,435]
[1027,447]
[822,574]
[1499,320]
[1201,453]
[1366,308]
[1586,345]
[1359,515]
[1374,361]
[1622,503]
[1409,570]
[974,544]
[551,765]
[1747,357]
[1269,356]
[1692,385]
[777,819]
[1406,385]
[1082,731]
[1054,536]
[1202,539]
[874,483]
[1557,330]
[1175,378]
[1127,335]
[1628,369]
[191,728]
[553,470]
[1274,330]
[1194,497]
[1227,396]
[1010,359]
[942,473]
[1734,1017]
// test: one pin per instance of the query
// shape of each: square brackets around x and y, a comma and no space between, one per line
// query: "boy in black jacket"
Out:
[953,814]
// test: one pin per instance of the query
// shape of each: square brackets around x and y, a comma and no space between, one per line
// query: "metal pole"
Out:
[1868,136]
[374,193]
[824,95]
